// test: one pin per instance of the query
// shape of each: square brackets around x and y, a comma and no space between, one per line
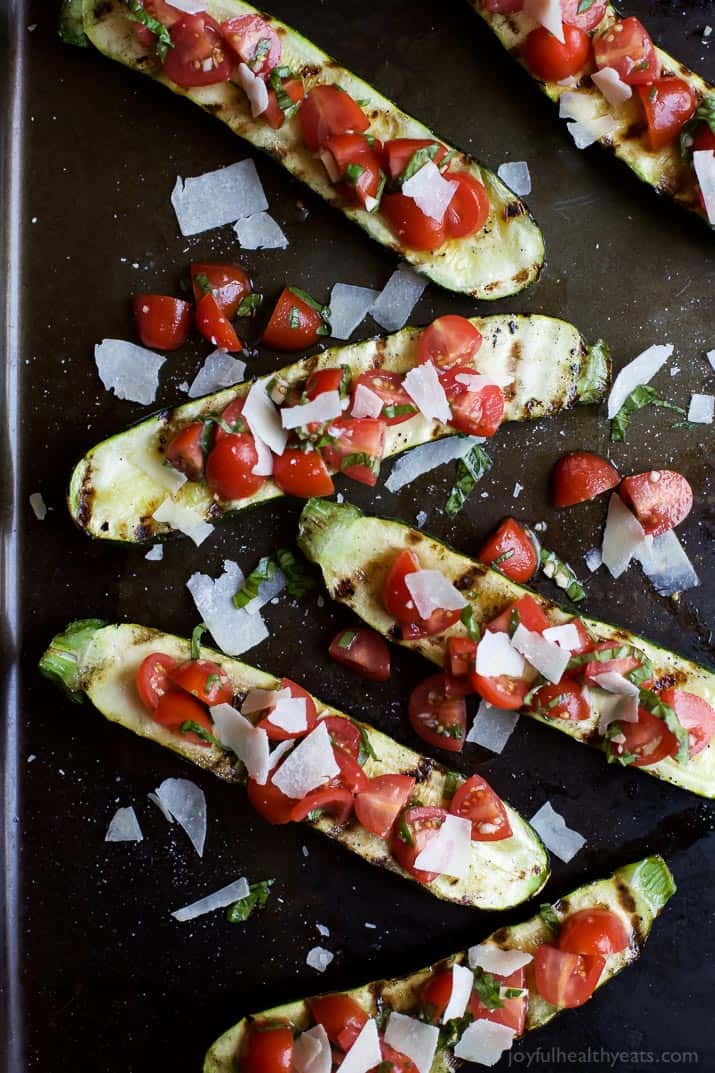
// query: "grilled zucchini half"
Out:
[117,486]
[501,259]
[100,662]
[355,553]
[637,893]
[664,169]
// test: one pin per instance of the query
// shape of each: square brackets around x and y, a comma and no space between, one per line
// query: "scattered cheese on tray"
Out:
[260,232]
[516,175]
[219,370]
[492,727]
[229,894]
[556,836]
[187,804]
[218,197]
[398,298]
[349,305]
[130,371]
[124,827]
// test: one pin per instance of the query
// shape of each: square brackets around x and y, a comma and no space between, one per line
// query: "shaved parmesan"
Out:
[366,403]
[184,519]
[249,743]
[639,371]
[430,192]
[496,655]
[484,1042]
[328,162]
[229,894]
[310,765]
[219,370]
[462,984]
[148,460]
[594,130]
[566,636]
[578,106]
[279,752]
[548,14]
[611,85]
[264,465]
[268,589]
[218,197]
[187,804]
[130,371]
[413,1038]
[492,958]
[324,407]
[548,658]
[234,629]
[312,1052]
[319,958]
[492,727]
[593,559]
[155,554]
[556,836]
[449,852]
[702,409]
[429,456]
[349,305]
[704,164]
[160,805]
[431,591]
[423,386]
[398,298]
[516,175]
[260,232]
[39,507]
[264,419]
[365,1053]
[191,7]
[254,88]
[124,827]
[623,537]
[624,708]
[258,700]
[289,713]
[667,566]
[711,359]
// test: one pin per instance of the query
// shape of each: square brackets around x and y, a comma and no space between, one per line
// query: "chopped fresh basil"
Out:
[470,470]
[472,627]
[360,458]
[418,160]
[562,574]
[314,815]
[211,681]
[514,621]
[488,988]
[248,305]
[505,555]
[451,782]
[549,916]
[379,192]
[643,395]
[366,749]
[283,99]
[704,114]
[138,13]
[255,899]
[324,311]
[346,638]
[653,704]
[584,5]
[262,49]
[615,754]
[190,727]
[353,173]
[265,570]
[403,831]
[202,282]
[400,410]
[294,317]
[346,379]
[196,635]
[299,579]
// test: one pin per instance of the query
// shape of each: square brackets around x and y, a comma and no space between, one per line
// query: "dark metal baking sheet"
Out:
[98,977]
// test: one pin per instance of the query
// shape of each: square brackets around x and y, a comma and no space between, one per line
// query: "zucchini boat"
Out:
[117,486]
[356,552]
[500,259]
[100,662]
[668,167]
[636,894]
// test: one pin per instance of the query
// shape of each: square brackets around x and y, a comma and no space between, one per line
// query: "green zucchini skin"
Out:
[99,662]
[355,552]
[503,258]
[111,498]
[637,893]
[663,170]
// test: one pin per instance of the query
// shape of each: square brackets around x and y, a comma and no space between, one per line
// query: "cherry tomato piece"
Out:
[163,323]
[215,326]
[649,740]
[398,602]
[511,549]
[274,115]
[413,830]
[436,717]
[412,226]
[331,801]
[363,651]
[294,324]
[550,60]
[357,449]
[435,995]
[227,283]
[668,104]
[326,111]
[476,801]
[593,931]
[176,708]
[448,341]
[397,404]
[695,714]
[380,803]
[341,1017]
[580,476]
[302,473]
[324,380]
[152,678]
[254,41]
[185,451]
[585,16]
[477,405]
[530,616]
[561,700]
[399,152]
[344,734]
[266,1049]
[230,465]
[468,211]
[199,56]
[204,680]
[270,802]
[563,979]
[512,1013]
[460,656]
[277,733]
[626,46]
[352,777]
[660,499]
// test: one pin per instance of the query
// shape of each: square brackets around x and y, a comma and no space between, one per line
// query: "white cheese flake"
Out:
[365,1052]
[319,958]
[493,959]
[492,727]
[249,743]
[611,85]
[219,899]
[155,554]
[462,984]
[711,359]
[449,851]
[414,1038]
[220,369]
[39,507]
[548,658]
[289,714]
[566,636]
[184,519]
[312,1052]
[260,232]
[349,305]
[549,14]
[556,836]
[124,827]
[593,559]
[310,765]
[639,371]
[431,591]
[366,403]
[147,459]
[516,175]
[398,298]
[423,385]
[428,456]
[484,1042]
[254,88]
[704,164]
[496,656]
[259,700]
[234,629]
[130,371]
[702,409]
[623,706]
[667,566]
[187,804]
[324,407]
[263,418]
[430,191]
[219,197]
[623,537]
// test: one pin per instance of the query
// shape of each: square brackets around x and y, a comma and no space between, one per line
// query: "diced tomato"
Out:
[394,1061]
[152,678]
[585,16]
[378,806]
[399,152]
[362,184]
[468,211]
[668,104]
[230,465]
[550,60]
[397,404]
[704,138]
[476,801]
[580,476]
[695,714]
[363,651]
[185,451]
[200,56]
[341,1017]
[176,708]
[436,717]
[352,777]
[530,616]
[266,1049]
[398,602]
[204,680]
[476,411]
[326,111]
[254,41]
[561,700]
[274,115]
[302,473]
[512,549]
[563,979]
[358,162]
[294,324]
[270,802]
[435,995]
[215,326]
[227,283]
[163,323]
[503,7]
[586,642]
[352,149]
[324,380]
[232,419]
[626,46]
[460,656]
[410,225]
[502,690]
[331,801]
[512,1012]
[593,931]
[358,448]
[660,499]
[414,829]
[649,740]
[624,665]
[344,734]
[448,341]
[164,12]
[276,733]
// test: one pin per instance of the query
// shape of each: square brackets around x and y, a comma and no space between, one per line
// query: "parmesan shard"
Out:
[254,88]
[624,700]
[260,232]
[324,407]
[187,804]
[556,836]
[258,700]
[414,1038]
[493,959]
[704,164]
[428,456]
[612,86]
[496,655]
[623,537]
[249,743]
[701,409]
[319,958]
[310,765]
[289,714]
[430,192]
[397,299]
[263,418]
[484,1042]
[431,591]
[423,386]
[219,899]
[184,519]
[220,369]
[548,658]
[566,636]
[449,852]
[366,403]
[130,371]
[516,175]
[39,507]
[667,566]
[462,984]
[365,1052]
[124,827]
[234,629]
[312,1052]
[639,371]
[218,197]
[547,13]
[492,727]
[349,305]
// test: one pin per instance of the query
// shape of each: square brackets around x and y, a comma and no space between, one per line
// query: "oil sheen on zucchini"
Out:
[355,552]
[100,662]
[501,259]
[663,169]
[637,893]
[113,494]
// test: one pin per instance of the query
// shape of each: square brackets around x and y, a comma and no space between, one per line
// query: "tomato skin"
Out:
[280,335]
[447,341]
[435,994]
[231,416]
[668,104]
[460,656]
[616,666]
[274,115]
[580,476]
[704,138]
[550,60]
[585,20]
[572,705]
[389,387]
[163,323]
[660,499]
[276,733]
[152,678]
[394,1061]
[270,802]
[352,777]
[198,44]
[504,691]
[423,823]
[512,538]
[530,615]
[193,676]
[513,1013]
[357,436]
[347,149]
[563,979]
[185,451]
[367,653]
[649,739]
[323,380]
[436,717]
[344,735]
[397,600]
[228,283]
[503,7]
[476,801]
[229,467]
[333,800]
[695,714]
[341,1017]
[176,707]
[477,412]
[327,111]
[399,152]
[302,473]
[593,931]
[410,225]
[469,209]
[627,47]
[266,1050]
[244,35]
[380,803]
[215,326]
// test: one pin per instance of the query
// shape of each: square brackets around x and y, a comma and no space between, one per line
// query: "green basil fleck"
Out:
[346,639]
[256,898]
[470,470]
[299,578]
[138,13]
[488,988]
[265,570]
[468,620]
[196,635]
[248,305]
[202,282]
[643,395]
